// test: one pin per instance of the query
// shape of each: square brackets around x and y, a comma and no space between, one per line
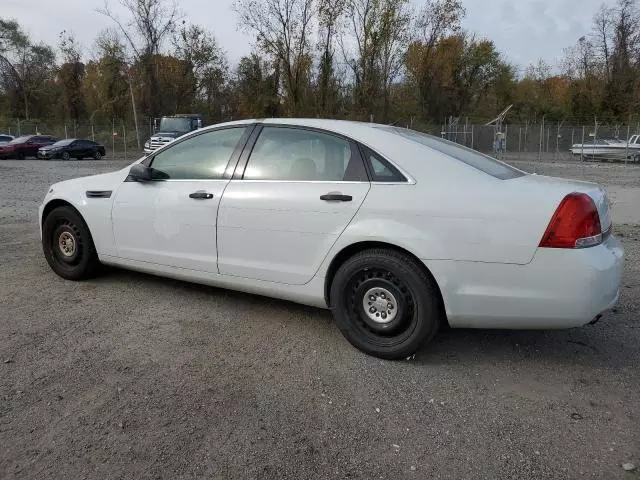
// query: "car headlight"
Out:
[147,144]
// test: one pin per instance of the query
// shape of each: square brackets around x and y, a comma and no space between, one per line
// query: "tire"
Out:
[68,246]
[65,156]
[414,309]
[97,155]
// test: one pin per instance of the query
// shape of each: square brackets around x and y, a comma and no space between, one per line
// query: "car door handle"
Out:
[201,195]
[336,197]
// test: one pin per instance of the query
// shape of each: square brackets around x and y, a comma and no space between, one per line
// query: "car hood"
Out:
[169,134]
[50,147]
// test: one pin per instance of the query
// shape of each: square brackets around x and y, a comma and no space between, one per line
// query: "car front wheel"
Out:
[97,155]
[386,304]
[68,246]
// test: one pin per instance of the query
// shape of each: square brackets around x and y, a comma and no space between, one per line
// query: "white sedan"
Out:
[395,231]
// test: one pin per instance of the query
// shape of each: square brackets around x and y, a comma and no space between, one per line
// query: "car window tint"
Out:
[283,153]
[475,159]
[203,156]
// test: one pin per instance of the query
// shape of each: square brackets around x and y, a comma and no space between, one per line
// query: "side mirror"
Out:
[29,142]
[142,173]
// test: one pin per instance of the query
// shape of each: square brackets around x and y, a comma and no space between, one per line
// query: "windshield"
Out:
[64,143]
[182,124]
[20,139]
[484,163]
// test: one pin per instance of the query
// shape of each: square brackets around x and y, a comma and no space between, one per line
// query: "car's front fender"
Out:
[92,197]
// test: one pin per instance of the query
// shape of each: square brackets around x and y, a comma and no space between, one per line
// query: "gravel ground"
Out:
[133,376]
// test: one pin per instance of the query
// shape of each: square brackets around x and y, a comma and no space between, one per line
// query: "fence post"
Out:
[506,137]
[66,135]
[472,137]
[113,137]
[124,140]
[19,132]
[557,143]
[626,152]
[93,133]
[548,137]
[582,147]
[519,141]
[541,140]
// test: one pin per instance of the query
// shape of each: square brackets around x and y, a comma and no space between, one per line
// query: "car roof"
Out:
[415,160]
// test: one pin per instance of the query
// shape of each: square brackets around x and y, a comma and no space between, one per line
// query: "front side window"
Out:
[203,156]
[287,153]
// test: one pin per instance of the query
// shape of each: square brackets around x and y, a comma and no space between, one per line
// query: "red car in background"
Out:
[26,146]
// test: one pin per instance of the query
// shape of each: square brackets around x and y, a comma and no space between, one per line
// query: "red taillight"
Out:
[575,224]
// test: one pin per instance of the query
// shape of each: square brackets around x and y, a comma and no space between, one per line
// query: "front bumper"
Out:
[560,288]
[46,155]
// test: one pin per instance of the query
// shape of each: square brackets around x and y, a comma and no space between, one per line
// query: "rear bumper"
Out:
[558,289]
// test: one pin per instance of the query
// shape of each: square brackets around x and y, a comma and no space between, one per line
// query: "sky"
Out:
[523,30]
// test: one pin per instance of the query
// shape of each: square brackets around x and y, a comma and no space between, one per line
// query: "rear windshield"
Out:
[64,143]
[484,163]
[21,139]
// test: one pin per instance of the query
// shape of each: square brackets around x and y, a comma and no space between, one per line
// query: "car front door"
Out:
[76,149]
[173,221]
[288,203]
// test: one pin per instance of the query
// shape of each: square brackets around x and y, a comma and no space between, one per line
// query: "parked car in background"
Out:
[397,232]
[72,148]
[4,139]
[25,146]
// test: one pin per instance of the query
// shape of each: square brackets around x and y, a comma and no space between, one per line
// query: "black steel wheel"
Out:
[385,303]
[97,155]
[68,246]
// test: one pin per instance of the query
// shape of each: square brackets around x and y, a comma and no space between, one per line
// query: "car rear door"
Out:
[173,222]
[289,201]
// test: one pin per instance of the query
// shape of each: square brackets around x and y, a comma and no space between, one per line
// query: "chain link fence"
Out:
[120,138]
[541,142]
[529,142]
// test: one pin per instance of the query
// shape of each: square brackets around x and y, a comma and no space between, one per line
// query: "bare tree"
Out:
[437,19]
[329,13]
[282,29]
[151,22]
[601,34]
[206,61]
[395,23]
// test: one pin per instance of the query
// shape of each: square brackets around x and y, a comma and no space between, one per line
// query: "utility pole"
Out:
[133,106]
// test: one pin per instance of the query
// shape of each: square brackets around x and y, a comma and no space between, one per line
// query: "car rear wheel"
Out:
[385,303]
[65,156]
[97,155]
[68,246]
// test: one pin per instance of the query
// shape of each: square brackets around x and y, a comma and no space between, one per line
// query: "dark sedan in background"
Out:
[25,146]
[72,148]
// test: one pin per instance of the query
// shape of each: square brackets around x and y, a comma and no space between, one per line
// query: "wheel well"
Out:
[53,204]
[351,250]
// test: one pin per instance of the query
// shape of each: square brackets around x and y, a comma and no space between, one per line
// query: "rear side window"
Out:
[380,169]
[477,160]
[293,154]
